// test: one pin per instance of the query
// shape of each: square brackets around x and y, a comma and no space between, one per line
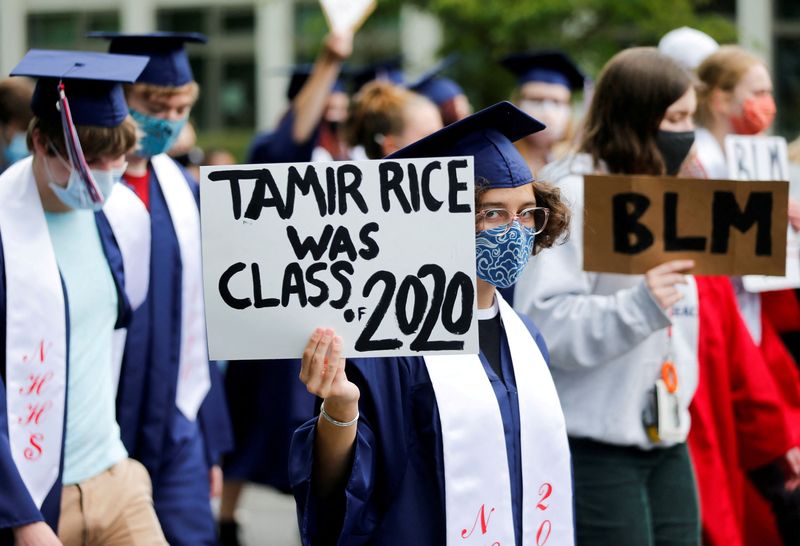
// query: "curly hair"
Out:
[549,196]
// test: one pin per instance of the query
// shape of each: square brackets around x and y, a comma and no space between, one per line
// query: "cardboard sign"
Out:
[765,158]
[756,158]
[383,252]
[634,223]
[346,15]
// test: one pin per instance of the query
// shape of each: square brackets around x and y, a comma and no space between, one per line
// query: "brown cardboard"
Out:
[694,213]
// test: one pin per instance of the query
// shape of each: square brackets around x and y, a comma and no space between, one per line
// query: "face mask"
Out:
[756,117]
[674,147]
[17,149]
[555,115]
[501,257]
[159,134]
[76,194]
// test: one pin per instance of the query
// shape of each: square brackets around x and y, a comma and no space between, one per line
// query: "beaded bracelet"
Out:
[333,421]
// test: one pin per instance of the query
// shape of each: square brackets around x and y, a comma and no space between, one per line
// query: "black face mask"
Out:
[674,147]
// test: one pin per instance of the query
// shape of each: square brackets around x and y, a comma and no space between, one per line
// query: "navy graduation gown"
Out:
[151,362]
[16,506]
[395,492]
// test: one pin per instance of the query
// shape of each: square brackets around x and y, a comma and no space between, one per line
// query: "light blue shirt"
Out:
[92,442]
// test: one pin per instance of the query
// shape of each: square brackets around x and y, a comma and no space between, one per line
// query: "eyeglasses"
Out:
[534,218]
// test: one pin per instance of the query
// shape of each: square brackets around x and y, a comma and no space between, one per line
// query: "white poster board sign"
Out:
[383,252]
[764,158]
[346,15]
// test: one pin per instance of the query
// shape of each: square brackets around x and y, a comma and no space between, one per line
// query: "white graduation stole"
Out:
[36,327]
[477,483]
[130,222]
[193,375]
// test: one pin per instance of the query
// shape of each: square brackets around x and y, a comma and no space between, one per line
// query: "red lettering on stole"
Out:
[483,518]
[36,384]
[39,354]
[35,412]
[545,528]
[34,451]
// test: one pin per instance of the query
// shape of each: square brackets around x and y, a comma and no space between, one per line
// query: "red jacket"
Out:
[739,421]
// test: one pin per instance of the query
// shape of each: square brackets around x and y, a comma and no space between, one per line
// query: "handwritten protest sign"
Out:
[381,251]
[346,15]
[765,158]
[634,223]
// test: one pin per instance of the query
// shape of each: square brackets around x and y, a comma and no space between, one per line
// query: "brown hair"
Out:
[96,142]
[377,110]
[632,94]
[151,91]
[721,70]
[15,102]
[548,196]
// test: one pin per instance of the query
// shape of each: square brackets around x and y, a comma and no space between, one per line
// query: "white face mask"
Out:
[76,193]
[554,114]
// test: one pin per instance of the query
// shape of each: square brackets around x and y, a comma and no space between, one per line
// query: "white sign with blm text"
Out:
[383,252]
[764,158]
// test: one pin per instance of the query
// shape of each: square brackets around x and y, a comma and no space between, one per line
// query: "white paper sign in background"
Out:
[764,158]
[383,252]
[346,15]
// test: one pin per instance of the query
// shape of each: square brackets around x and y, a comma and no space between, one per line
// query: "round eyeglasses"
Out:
[534,218]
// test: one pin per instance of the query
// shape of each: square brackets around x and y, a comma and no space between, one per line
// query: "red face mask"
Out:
[757,115]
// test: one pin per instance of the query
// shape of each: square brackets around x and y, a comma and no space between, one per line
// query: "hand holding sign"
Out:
[346,15]
[661,281]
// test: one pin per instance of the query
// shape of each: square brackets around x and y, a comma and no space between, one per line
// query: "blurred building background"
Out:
[252,42]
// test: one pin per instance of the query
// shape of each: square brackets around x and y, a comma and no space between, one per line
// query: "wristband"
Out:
[333,421]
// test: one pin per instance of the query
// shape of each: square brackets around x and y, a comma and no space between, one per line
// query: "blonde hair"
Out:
[378,109]
[721,70]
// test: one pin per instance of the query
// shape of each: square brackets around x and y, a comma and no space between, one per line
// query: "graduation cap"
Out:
[689,46]
[545,66]
[436,87]
[387,70]
[299,76]
[92,82]
[169,64]
[487,135]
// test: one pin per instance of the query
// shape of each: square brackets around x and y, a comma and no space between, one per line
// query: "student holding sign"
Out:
[736,99]
[182,428]
[70,274]
[448,449]
[624,347]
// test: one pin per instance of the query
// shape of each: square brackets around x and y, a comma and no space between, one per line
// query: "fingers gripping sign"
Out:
[662,281]
[322,371]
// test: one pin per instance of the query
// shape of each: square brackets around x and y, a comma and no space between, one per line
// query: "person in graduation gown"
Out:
[736,98]
[445,93]
[611,336]
[546,81]
[447,450]
[297,134]
[182,428]
[70,274]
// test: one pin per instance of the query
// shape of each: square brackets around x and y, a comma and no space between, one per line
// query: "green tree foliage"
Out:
[591,31]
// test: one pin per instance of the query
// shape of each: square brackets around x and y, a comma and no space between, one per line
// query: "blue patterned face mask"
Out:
[502,255]
[159,134]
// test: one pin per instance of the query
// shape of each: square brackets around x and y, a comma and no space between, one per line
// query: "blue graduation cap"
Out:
[169,63]
[387,70]
[488,136]
[92,84]
[301,73]
[545,66]
[436,87]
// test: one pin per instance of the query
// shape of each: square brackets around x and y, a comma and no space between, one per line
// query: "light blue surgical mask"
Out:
[76,193]
[502,253]
[16,149]
[159,134]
